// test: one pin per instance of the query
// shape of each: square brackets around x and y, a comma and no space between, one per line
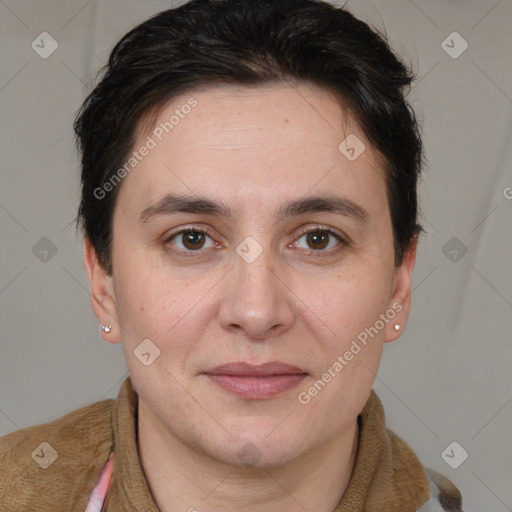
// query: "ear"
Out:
[102,293]
[401,299]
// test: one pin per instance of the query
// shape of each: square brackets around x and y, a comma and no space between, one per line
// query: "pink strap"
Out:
[100,491]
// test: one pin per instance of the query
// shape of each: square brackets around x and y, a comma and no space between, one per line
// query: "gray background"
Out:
[446,379]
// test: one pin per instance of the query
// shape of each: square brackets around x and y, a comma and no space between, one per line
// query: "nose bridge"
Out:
[257,300]
[256,282]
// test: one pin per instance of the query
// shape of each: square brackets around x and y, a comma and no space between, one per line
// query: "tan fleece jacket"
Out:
[387,476]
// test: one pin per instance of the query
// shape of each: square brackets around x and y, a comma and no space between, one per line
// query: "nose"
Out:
[257,300]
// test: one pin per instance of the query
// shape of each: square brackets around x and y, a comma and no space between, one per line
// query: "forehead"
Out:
[268,140]
[233,115]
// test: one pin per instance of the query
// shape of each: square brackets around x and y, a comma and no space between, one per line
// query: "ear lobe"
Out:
[102,298]
[401,299]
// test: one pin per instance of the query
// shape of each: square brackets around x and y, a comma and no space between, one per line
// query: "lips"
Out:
[256,381]
[261,370]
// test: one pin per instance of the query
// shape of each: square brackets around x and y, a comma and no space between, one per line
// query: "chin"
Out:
[256,449]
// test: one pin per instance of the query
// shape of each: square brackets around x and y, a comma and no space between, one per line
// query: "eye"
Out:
[191,239]
[319,238]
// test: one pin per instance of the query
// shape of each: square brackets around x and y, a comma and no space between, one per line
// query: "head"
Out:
[276,135]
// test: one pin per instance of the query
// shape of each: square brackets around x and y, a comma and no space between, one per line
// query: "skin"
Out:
[254,149]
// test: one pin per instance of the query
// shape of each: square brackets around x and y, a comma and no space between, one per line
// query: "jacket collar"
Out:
[387,475]
[129,490]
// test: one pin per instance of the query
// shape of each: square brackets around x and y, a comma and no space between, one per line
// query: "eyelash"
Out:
[343,242]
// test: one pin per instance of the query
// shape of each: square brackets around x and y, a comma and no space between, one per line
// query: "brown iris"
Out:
[316,237]
[193,240]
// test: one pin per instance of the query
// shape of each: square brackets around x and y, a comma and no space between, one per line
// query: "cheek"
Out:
[343,305]
[160,305]
[145,297]
[146,307]
[347,348]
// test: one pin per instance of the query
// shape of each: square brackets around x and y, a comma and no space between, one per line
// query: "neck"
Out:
[315,480]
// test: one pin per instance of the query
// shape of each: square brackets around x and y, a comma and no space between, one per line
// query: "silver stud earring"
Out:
[106,328]
[397,327]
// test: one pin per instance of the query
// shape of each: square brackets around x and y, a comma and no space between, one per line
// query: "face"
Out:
[239,279]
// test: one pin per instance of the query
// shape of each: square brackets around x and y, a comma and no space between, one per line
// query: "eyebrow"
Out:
[174,203]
